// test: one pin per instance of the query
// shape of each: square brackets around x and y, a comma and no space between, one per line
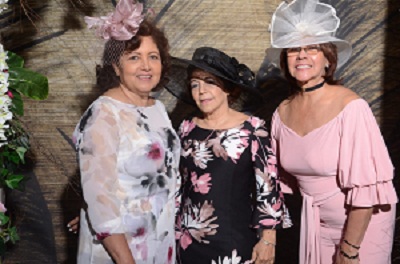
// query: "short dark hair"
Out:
[330,52]
[233,91]
[106,78]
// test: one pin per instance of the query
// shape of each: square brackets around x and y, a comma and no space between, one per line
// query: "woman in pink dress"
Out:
[328,144]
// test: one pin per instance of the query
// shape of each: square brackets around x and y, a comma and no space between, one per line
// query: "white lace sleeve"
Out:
[97,150]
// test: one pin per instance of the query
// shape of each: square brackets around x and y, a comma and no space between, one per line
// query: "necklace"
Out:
[315,87]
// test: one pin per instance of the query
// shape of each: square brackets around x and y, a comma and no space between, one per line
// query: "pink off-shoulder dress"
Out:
[344,162]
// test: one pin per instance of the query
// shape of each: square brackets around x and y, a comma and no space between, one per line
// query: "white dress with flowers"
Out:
[128,159]
[230,188]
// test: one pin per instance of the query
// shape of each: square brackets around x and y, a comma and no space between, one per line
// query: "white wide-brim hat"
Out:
[302,23]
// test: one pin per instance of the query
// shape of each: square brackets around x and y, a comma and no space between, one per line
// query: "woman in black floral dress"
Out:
[230,187]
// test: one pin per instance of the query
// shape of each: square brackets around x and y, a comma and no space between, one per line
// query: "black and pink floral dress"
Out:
[230,188]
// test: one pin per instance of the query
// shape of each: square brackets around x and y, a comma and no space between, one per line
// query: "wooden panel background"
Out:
[61,47]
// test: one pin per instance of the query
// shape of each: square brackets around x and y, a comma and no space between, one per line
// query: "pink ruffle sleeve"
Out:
[365,168]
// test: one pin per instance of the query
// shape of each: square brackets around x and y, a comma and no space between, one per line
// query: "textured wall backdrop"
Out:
[60,47]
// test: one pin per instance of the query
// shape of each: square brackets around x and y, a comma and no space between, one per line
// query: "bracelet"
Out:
[344,254]
[267,242]
[351,245]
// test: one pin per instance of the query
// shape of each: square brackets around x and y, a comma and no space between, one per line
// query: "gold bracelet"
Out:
[267,242]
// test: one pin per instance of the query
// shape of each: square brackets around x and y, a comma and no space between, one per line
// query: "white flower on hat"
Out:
[302,23]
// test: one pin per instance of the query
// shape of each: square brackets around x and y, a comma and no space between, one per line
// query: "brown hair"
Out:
[330,52]
[106,78]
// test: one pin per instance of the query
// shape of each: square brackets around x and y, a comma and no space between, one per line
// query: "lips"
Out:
[205,101]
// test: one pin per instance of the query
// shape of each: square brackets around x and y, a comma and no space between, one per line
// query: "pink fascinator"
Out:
[122,24]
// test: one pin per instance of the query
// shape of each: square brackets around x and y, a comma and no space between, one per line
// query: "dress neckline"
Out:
[317,128]
[128,104]
[223,129]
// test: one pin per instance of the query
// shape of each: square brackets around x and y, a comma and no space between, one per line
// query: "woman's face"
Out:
[140,70]
[207,92]
[307,65]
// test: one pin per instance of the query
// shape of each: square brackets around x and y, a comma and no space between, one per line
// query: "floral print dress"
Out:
[230,188]
[128,159]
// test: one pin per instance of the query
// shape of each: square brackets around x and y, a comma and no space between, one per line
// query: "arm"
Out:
[365,172]
[357,223]
[97,151]
[117,247]
[270,212]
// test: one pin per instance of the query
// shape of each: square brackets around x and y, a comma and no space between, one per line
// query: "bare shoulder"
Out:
[344,95]
[282,108]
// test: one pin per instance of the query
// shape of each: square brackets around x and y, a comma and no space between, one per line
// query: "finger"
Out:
[73,225]
[75,220]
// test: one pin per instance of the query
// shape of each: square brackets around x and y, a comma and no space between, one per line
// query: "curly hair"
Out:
[330,52]
[106,77]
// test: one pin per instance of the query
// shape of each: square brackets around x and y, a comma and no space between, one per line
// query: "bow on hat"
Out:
[122,24]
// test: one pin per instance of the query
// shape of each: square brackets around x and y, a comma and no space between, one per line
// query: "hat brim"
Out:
[205,67]
[177,81]
[344,49]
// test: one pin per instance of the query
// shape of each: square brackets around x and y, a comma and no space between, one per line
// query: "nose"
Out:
[202,87]
[302,53]
[145,64]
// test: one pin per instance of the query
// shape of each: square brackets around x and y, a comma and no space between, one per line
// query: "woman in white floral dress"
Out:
[128,152]
[230,187]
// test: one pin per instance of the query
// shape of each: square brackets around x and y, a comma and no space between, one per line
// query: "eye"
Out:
[154,57]
[194,84]
[313,48]
[293,50]
[210,81]
[134,57]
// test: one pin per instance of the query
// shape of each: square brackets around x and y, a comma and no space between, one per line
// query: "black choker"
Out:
[310,89]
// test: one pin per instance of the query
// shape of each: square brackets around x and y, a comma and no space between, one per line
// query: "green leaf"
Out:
[12,156]
[14,61]
[3,172]
[29,83]
[4,219]
[21,153]
[17,103]
[14,237]
[13,181]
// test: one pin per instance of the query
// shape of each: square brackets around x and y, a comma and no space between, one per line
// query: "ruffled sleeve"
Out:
[365,168]
[97,148]
[270,211]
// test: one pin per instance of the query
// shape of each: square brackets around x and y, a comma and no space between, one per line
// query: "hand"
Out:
[341,259]
[263,254]
[73,225]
